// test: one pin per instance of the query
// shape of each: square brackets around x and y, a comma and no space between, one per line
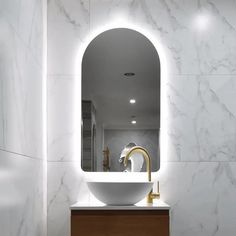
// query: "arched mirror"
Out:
[120,101]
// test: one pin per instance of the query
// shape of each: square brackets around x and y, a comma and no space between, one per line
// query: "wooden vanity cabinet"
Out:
[119,222]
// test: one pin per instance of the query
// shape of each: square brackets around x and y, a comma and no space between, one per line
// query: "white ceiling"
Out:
[106,59]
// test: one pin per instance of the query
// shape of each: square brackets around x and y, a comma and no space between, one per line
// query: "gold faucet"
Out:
[138,149]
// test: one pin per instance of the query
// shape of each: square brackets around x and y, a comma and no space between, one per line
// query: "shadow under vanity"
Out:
[120,133]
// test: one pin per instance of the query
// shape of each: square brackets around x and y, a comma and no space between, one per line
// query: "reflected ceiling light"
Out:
[133,122]
[132,101]
[120,22]
[129,74]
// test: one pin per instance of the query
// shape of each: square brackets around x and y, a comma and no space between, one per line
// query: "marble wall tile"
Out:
[68,24]
[21,198]
[201,119]
[22,179]
[184,28]
[65,187]
[24,18]
[75,12]
[201,196]
[20,95]
[198,177]
[60,118]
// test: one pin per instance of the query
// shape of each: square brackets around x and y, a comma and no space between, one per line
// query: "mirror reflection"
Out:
[120,101]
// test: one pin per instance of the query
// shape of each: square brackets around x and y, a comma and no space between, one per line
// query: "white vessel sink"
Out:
[120,193]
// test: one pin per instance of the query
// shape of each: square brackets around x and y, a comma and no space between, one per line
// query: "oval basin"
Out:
[120,193]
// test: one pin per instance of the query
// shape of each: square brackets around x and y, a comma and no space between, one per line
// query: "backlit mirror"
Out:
[120,101]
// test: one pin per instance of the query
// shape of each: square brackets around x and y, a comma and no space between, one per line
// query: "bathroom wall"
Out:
[117,139]
[197,175]
[22,180]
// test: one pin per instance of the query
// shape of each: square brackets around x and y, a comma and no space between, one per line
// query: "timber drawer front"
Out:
[115,222]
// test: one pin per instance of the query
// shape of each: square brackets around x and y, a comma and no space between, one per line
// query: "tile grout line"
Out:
[208,75]
[73,161]
[21,155]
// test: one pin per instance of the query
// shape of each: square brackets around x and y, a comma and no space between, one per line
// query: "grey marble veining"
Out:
[60,118]
[24,18]
[202,121]
[65,187]
[21,199]
[201,197]
[68,24]
[21,88]
[22,179]
[73,12]
[198,175]
[180,26]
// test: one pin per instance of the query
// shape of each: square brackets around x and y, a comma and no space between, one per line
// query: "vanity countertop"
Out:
[157,205]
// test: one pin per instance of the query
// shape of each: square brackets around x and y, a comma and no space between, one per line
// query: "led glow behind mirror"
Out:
[106,114]
[82,45]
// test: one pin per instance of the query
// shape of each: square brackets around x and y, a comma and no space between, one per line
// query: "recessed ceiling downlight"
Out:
[129,74]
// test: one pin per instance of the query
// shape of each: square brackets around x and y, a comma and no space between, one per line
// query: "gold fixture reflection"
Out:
[106,160]
[144,152]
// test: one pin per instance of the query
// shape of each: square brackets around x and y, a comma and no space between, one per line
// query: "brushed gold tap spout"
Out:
[138,149]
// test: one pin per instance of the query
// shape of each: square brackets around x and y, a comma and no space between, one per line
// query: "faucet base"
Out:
[152,196]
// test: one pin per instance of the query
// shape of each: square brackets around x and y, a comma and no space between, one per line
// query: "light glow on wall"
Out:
[118,176]
[201,22]
[44,113]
